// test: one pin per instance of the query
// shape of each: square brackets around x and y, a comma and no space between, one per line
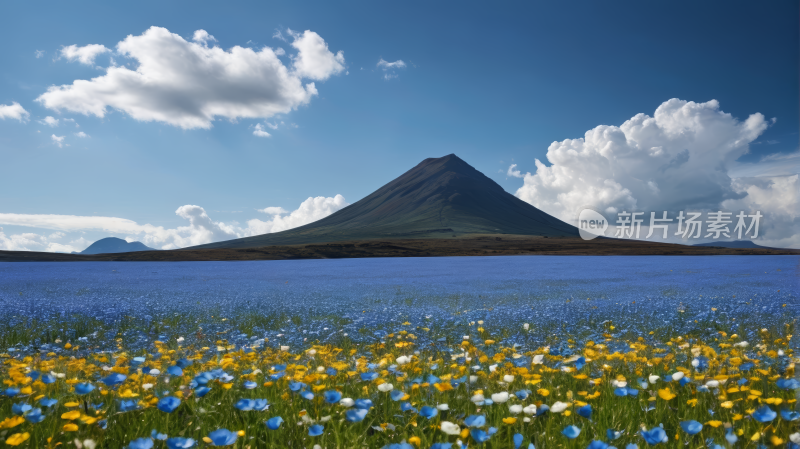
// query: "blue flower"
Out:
[222,437]
[180,443]
[571,432]
[632,446]
[612,434]
[684,381]
[523,394]
[274,423]
[544,408]
[365,404]
[730,436]
[746,366]
[183,363]
[141,443]
[127,406]
[49,379]
[296,386]
[764,414]
[655,435]
[585,411]
[441,445]
[154,434]
[35,416]
[398,446]
[428,412]
[168,404]
[691,427]
[201,391]
[356,415]
[788,384]
[175,370]
[307,395]
[332,396]
[518,440]
[595,444]
[397,395]
[331,371]
[789,415]
[369,376]
[479,435]
[11,392]
[20,409]
[249,385]
[406,406]
[245,404]
[315,430]
[114,379]
[103,424]
[33,375]
[475,421]
[83,388]
[580,363]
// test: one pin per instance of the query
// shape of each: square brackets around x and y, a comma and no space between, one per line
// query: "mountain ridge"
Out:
[112,245]
[438,198]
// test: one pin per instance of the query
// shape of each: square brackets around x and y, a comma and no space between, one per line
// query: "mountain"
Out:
[114,245]
[439,198]
[733,244]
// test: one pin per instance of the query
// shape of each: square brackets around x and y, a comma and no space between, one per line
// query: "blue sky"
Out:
[495,84]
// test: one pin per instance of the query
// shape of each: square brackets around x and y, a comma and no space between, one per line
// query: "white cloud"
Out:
[189,84]
[279,35]
[85,54]
[81,134]
[58,140]
[203,37]
[259,131]
[313,59]
[274,210]
[15,111]
[386,65]
[200,229]
[679,159]
[309,211]
[513,172]
[39,53]
[49,121]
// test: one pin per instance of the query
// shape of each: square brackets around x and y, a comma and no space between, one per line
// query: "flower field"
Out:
[721,390]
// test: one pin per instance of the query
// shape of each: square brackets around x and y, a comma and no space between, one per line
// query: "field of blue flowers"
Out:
[503,352]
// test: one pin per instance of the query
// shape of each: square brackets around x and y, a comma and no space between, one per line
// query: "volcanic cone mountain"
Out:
[439,198]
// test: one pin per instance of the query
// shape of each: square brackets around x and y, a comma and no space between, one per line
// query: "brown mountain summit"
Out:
[439,198]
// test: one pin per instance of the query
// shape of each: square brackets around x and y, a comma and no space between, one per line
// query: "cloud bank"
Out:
[678,159]
[189,84]
[199,230]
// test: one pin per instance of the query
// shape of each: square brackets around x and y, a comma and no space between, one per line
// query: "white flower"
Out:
[508,378]
[473,379]
[180,340]
[480,322]
[712,383]
[500,397]
[477,398]
[443,407]
[678,375]
[325,418]
[147,386]
[385,387]
[558,407]
[526,419]
[312,352]
[284,348]
[89,444]
[742,344]
[529,410]
[320,369]
[653,378]
[795,438]
[154,372]
[492,368]
[526,326]
[347,402]
[515,409]
[780,352]
[402,360]
[450,428]
[695,363]
[538,359]
[466,337]
[619,383]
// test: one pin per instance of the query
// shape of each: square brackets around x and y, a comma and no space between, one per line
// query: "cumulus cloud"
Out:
[49,121]
[200,229]
[189,84]
[58,140]
[81,134]
[84,55]
[513,172]
[15,111]
[678,159]
[260,132]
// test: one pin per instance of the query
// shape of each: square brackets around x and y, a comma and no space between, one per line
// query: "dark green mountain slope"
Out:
[440,197]
[110,245]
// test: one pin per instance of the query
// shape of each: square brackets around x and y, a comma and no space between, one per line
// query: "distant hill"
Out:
[439,198]
[110,245]
[733,244]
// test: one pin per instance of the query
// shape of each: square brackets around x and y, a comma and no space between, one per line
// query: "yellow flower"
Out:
[14,421]
[227,386]
[543,392]
[714,423]
[70,427]
[776,441]
[755,436]
[442,387]
[665,394]
[17,439]
[726,404]
[240,433]
[692,402]
[509,420]
[489,342]
[71,415]
[415,441]
[71,404]
[207,440]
